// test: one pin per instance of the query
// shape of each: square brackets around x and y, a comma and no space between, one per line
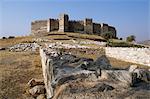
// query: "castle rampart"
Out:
[52,25]
[39,26]
[76,26]
[63,24]
[97,28]
[88,26]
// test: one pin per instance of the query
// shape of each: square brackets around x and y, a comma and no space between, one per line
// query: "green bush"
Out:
[4,38]
[130,38]
[11,37]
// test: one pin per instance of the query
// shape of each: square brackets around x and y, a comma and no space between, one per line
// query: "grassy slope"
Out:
[17,68]
[9,42]
[70,35]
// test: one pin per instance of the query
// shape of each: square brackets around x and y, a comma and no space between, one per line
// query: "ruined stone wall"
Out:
[68,76]
[39,26]
[113,30]
[53,25]
[76,26]
[134,55]
[47,73]
[63,23]
[88,26]
[104,28]
[96,28]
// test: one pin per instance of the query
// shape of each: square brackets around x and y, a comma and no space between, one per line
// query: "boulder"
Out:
[41,96]
[139,74]
[37,90]
[142,75]
[33,82]
[117,76]
[132,68]
[82,74]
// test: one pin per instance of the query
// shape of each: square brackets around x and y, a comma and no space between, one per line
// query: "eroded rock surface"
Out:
[37,90]
[72,76]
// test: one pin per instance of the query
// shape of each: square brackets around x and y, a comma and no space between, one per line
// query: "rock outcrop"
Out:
[68,74]
[36,88]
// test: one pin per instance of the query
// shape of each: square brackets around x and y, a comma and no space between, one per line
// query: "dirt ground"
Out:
[16,69]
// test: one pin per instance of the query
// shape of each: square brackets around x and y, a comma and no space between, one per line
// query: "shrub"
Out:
[10,37]
[130,38]
[4,38]
[120,38]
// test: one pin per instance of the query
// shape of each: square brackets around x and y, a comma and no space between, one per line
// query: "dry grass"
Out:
[96,52]
[53,37]
[84,35]
[71,35]
[116,40]
[123,64]
[16,69]
[10,42]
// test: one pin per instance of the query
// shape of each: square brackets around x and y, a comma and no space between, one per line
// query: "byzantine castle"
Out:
[63,24]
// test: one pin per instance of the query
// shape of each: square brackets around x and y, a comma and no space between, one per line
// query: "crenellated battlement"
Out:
[63,24]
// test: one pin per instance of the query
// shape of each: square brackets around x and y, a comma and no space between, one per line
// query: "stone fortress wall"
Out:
[52,25]
[76,26]
[39,26]
[63,24]
[134,55]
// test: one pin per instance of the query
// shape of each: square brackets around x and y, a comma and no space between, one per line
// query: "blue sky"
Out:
[128,16]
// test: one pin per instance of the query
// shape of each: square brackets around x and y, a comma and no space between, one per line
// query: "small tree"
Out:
[4,38]
[121,39]
[130,38]
[10,37]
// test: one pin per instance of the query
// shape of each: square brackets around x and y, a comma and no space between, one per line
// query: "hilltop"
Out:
[20,60]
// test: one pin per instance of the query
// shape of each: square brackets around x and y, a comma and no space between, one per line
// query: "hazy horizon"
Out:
[129,17]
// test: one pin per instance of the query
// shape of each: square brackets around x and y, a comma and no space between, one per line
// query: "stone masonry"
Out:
[134,55]
[67,76]
[63,24]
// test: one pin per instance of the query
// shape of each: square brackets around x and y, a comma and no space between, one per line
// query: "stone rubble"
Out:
[24,47]
[142,74]
[93,42]
[41,96]
[68,72]
[63,45]
[132,68]
[37,88]
[34,82]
